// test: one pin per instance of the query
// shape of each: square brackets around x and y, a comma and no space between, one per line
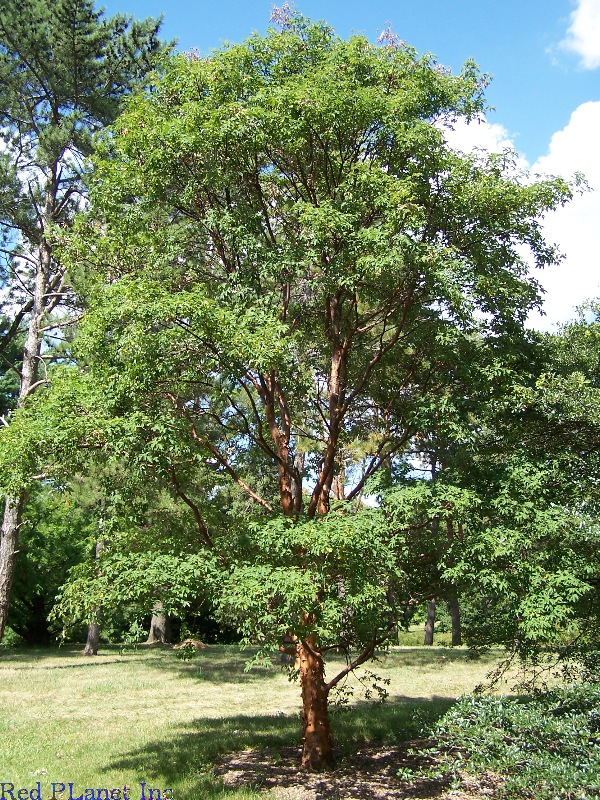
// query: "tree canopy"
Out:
[311,253]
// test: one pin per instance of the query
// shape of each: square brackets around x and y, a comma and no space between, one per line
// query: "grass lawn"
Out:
[145,716]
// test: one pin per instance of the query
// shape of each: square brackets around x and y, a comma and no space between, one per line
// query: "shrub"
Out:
[544,746]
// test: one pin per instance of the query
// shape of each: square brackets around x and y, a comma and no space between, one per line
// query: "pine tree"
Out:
[64,70]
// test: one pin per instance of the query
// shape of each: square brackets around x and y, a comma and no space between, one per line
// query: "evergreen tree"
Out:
[10,354]
[64,70]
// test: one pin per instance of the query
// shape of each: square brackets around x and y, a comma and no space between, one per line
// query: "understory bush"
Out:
[12,639]
[543,746]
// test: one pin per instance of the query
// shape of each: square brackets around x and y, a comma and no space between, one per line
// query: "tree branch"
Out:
[195,510]
[364,656]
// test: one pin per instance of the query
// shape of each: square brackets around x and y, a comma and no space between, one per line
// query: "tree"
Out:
[64,70]
[54,538]
[518,471]
[159,632]
[148,563]
[9,372]
[430,622]
[557,422]
[314,261]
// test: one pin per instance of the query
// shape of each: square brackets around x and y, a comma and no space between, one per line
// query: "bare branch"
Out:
[366,654]
[14,328]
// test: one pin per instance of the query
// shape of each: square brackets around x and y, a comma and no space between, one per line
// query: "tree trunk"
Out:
[429,625]
[454,609]
[299,457]
[93,640]
[339,483]
[317,752]
[13,507]
[8,553]
[46,145]
[93,635]
[336,396]
[159,626]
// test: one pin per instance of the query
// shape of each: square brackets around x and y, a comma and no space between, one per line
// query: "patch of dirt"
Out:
[371,774]
[195,643]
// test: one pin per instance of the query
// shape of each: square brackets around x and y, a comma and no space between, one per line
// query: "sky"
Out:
[544,60]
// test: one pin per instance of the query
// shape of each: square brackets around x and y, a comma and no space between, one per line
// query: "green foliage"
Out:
[67,68]
[54,434]
[132,637]
[186,651]
[543,554]
[11,638]
[531,559]
[547,746]
[334,577]
[10,350]
[64,70]
[251,192]
[54,537]
[284,263]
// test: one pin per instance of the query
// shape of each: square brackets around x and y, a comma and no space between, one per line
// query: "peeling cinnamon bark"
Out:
[336,399]
[317,752]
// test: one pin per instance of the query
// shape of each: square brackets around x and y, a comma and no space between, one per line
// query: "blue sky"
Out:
[543,55]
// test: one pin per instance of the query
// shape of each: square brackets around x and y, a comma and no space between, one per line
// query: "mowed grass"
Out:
[145,716]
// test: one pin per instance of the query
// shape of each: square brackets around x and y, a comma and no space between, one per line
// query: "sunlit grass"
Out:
[121,719]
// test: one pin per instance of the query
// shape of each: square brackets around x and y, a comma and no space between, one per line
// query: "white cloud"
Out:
[479,134]
[574,228]
[583,35]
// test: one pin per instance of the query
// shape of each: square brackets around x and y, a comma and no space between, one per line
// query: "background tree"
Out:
[523,556]
[58,524]
[9,369]
[556,422]
[64,70]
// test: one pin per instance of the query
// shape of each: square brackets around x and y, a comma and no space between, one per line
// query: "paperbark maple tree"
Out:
[286,257]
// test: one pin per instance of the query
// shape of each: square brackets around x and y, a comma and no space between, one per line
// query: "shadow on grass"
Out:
[216,664]
[185,761]
[399,719]
[433,656]
[33,657]
[226,663]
